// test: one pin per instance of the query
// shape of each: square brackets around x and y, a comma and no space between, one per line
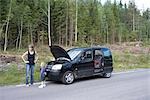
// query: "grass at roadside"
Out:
[14,75]
[127,61]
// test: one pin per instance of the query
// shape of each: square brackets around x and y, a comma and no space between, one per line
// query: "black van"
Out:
[78,63]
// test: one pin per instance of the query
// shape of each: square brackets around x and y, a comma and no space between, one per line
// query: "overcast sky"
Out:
[141,4]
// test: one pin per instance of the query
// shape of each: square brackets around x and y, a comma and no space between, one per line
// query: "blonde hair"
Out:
[42,64]
[31,46]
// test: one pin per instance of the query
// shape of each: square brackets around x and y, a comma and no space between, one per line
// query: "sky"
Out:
[141,4]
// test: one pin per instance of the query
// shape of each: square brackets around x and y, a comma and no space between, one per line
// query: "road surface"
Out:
[121,86]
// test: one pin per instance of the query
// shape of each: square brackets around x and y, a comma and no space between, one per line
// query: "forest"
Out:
[71,23]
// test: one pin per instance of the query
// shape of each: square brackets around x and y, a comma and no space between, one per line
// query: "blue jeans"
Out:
[42,70]
[29,73]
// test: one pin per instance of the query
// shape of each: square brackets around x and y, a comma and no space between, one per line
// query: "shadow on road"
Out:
[77,80]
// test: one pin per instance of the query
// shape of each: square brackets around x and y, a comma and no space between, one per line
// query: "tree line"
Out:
[71,22]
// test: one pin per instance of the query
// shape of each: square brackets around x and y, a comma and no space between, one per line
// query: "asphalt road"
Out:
[121,86]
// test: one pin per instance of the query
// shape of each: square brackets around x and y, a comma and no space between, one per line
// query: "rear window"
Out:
[106,52]
[98,54]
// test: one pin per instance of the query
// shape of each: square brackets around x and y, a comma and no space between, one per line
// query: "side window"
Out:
[97,54]
[106,52]
[87,56]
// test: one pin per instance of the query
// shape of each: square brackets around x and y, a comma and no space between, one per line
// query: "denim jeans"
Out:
[42,74]
[29,73]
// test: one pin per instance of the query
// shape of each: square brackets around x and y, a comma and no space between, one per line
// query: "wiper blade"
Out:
[63,59]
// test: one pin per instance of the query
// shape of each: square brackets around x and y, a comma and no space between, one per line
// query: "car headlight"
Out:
[57,67]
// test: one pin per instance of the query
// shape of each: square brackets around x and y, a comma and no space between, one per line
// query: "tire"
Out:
[107,75]
[68,77]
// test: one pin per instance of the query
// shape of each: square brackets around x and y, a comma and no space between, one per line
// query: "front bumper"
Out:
[54,75]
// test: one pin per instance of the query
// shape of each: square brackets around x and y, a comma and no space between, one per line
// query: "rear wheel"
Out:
[107,75]
[68,77]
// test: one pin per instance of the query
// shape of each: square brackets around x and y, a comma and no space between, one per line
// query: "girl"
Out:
[30,57]
[42,75]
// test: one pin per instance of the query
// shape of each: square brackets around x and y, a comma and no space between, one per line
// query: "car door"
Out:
[108,62]
[98,61]
[85,65]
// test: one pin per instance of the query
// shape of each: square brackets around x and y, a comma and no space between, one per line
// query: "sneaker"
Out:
[27,85]
[44,85]
[31,84]
[41,86]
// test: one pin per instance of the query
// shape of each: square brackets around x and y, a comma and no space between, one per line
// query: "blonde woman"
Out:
[30,57]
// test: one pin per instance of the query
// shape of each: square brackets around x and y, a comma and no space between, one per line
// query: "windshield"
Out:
[74,53]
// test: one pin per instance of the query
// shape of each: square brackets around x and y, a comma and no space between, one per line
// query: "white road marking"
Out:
[23,85]
[124,72]
[131,71]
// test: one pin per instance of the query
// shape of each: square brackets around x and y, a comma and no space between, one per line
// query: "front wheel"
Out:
[68,77]
[107,75]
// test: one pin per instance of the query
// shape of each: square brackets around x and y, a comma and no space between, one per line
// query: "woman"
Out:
[30,57]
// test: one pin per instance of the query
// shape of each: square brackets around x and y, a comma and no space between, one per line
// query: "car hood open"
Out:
[59,52]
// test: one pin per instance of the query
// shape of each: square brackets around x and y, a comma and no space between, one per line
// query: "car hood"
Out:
[59,52]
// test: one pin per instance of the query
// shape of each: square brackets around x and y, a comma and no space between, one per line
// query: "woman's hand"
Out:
[36,57]
[35,61]
[26,62]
